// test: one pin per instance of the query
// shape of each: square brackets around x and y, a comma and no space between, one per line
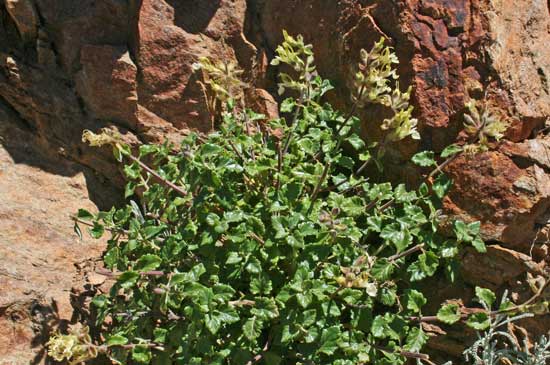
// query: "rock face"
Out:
[42,259]
[66,66]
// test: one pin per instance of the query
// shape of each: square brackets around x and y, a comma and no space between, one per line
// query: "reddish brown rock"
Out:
[507,199]
[108,70]
[39,250]
[24,15]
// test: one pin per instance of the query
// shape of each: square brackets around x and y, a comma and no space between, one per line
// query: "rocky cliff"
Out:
[67,65]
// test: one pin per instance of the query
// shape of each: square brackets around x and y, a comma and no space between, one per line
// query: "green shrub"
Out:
[263,243]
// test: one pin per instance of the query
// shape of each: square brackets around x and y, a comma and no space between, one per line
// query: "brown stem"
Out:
[257,238]
[293,124]
[516,308]
[407,354]
[387,205]
[115,274]
[258,357]
[279,168]
[408,252]
[371,205]
[440,168]
[234,148]
[89,224]
[319,183]
[159,178]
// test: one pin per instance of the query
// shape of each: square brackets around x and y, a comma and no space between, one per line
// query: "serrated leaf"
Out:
[449,313]
[252,328]
[479,321]
[97,230]
[451,150]
[415,300]
[486,296]
[424,159]
[329,340]
[356,142]
[416,339]
[128,279]
[116,340]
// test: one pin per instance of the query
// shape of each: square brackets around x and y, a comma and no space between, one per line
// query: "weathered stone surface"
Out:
[39,249]
[507,199]
[108,70]
[24,15]
[169,37]
[519,52]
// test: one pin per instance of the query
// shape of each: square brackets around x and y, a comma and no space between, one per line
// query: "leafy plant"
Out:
[497,345]
[482,124]
[267,245]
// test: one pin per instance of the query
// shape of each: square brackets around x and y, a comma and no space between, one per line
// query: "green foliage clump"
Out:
[262,243]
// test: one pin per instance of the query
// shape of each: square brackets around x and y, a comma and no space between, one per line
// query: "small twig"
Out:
[408,252]
[258,357]
[319,183]
[294,126]
[387,205]
[371,204]
[440,168]
[363,166]
[407,354]
[234,148]
[279,168]
[115,274]
[242,303]
[90,224]
[256,238]
[516,308]
[162,180]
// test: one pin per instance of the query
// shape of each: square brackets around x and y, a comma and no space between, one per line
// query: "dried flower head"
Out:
[75,347]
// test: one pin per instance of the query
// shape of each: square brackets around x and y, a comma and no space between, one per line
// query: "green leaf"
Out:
[148,263]
[128,279]
[424,159]
[116,340]
[209,150]
[356,142]
[398,235]
[479,245]
[142,355]
[479,321]
[252,328]
[100,301]
[416,339]
[485,296]
[382,269]
[83,214]
[441,186]
[329,340]
[449,313]
[152,231]
[415,300]
[97,230]
[213,323]
[288,105]
[451,150]
[381,327]
[261,285]
[265,309]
